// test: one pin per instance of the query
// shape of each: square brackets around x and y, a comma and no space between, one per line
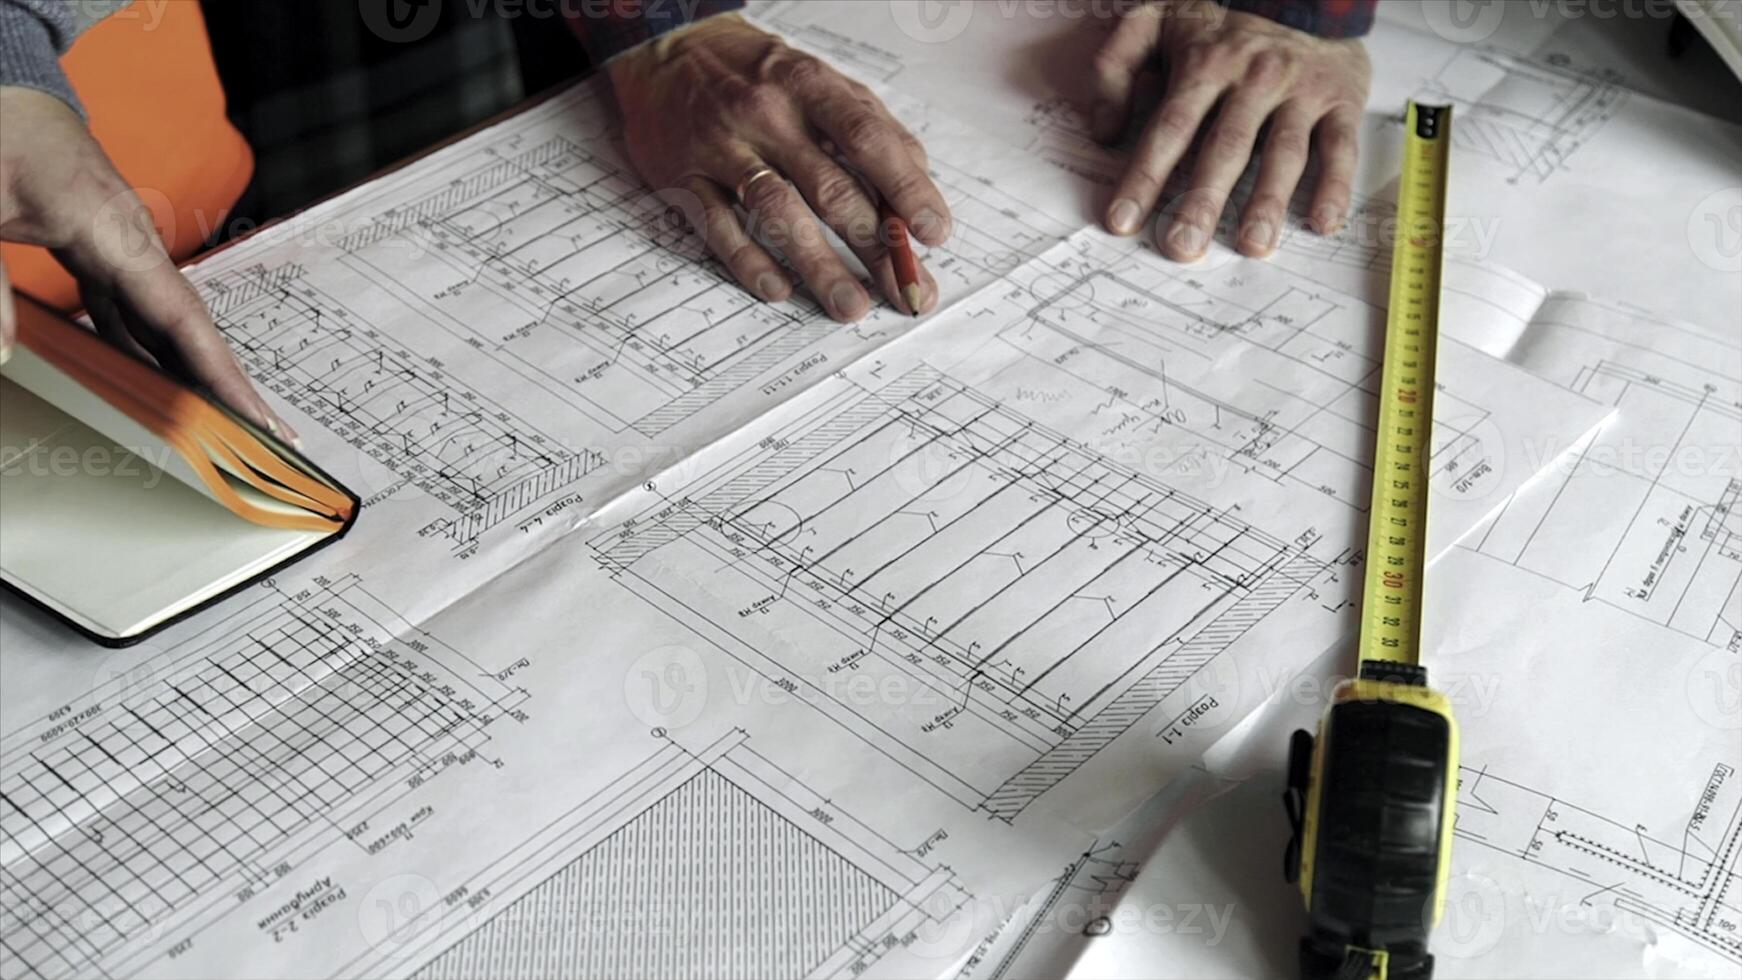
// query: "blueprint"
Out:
[1627,545]
[683,633]
[1608,589]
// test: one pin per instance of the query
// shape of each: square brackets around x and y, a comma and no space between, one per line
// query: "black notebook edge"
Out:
[283,449]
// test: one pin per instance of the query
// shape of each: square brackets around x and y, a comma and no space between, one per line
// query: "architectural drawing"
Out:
[1529,115]
[1028,538]
[1645,519]
[526,274]
[712,863]
[401,409]
[1062,525]
[1078,900]
[266,735]
[1685,879]
[1048,597]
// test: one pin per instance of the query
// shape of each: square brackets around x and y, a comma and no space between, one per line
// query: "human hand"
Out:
[59,190]
[1310,89]
[707,110]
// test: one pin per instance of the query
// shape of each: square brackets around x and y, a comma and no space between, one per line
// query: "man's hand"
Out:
[59,190]
[1249,70]
[707,110]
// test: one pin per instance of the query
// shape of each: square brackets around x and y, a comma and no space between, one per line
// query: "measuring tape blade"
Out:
[1397,535]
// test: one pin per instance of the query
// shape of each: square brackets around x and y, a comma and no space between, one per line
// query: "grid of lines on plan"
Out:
[147,808]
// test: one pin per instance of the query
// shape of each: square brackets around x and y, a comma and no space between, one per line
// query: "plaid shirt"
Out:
[1326,18]
[608,28]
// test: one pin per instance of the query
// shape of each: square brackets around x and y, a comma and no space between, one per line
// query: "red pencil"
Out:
[901,256]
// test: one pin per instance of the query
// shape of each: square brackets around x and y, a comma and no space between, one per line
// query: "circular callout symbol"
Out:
[1474,920]
[932,21]
[1715,230]
[1714,689]
[400,21]
[1469,456]
[666,687]
[396,911]
[1464,21]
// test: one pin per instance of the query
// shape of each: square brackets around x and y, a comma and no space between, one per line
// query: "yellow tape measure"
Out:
[1397,536]
[1371,797]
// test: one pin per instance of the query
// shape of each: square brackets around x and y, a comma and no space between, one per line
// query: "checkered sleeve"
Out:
[1326,18]
[608,28]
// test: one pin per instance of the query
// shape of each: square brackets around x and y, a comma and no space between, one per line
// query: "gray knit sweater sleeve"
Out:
[34,34]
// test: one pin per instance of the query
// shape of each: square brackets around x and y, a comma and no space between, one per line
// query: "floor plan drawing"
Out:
[267,737]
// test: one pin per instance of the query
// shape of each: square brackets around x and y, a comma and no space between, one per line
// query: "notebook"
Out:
[128,500]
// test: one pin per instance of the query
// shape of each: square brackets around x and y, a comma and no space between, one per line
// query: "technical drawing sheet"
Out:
[1544,127]
[1589,638]
[683,633]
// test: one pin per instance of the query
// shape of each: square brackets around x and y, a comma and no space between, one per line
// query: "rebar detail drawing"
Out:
[1022,589]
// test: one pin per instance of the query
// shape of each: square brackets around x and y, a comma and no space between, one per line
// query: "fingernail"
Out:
[1325,220]
[929,227]
[1106,123]
[1188,239]
[1260,235]
[1123,216]
[768,286]
[847,301]
[5,353]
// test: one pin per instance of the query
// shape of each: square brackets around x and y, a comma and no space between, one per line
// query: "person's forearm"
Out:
[608,28]
[1325,18]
